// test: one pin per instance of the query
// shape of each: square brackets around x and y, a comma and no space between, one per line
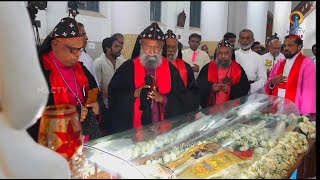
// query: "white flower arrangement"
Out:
[307,127]
[278,162]
[272,142]
[240,138]
[275,156]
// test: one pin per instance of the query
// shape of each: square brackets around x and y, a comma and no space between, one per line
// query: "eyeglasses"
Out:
[72,50]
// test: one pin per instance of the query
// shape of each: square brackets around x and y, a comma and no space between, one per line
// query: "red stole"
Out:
[163,82]
[235,74]
[292,81]
[56,81]
[180,65]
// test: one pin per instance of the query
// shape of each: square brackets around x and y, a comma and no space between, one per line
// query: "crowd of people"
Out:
[112,94]
[163,80]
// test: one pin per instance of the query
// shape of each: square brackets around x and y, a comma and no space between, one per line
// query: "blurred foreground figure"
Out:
[22,101]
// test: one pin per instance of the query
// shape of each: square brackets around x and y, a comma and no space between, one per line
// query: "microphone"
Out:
[145,102]
[149,80]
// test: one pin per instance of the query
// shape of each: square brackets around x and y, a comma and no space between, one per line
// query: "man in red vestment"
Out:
[69,81]
[146,89]
[294,78]
[172,51]
[222,80]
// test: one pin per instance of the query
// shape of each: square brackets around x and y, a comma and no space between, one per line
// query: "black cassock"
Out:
[205,86]
[121,98]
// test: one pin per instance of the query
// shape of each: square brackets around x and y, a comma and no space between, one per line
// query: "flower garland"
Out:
[308,128]
[278,162]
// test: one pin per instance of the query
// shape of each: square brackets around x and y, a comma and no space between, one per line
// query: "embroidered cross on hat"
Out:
[224,43]
[170,34]
[152,32]
[66,28]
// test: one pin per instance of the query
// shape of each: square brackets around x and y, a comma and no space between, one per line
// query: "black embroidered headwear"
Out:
[66,28]
[224,43]
[152,32]
[170,34]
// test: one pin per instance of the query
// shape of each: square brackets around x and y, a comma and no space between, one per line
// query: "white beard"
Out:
[150,60]
[246,47]
[173,57]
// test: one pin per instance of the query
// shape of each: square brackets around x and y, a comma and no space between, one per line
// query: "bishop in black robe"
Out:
[234,78]
[128,111]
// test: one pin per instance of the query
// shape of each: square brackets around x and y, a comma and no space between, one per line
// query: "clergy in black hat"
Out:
[67,29]
[68,80]
[171,50]
[151,44]
[223,79]
[147,89]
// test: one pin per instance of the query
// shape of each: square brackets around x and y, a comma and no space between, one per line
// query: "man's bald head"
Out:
[274,47]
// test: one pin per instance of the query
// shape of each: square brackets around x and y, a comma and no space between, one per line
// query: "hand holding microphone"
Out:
[143,92]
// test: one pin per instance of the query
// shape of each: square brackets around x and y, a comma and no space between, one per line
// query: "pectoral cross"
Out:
[227,80]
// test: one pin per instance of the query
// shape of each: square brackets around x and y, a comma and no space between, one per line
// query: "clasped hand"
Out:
[195,68]
[220,87]
[153,94]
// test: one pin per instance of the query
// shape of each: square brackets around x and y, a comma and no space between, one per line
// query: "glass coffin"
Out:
[250,137]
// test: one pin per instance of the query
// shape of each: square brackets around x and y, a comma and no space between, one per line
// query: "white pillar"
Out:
[214,20]
[169,14]
[55,12]
[281,22]
[257,19]
[129,17]
[309,25]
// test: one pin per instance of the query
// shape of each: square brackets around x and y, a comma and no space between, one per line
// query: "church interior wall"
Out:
[237,17]
[103,24]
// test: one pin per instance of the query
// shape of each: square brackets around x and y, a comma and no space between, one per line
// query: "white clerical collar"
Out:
[247,51]
[269,54]
[294,57]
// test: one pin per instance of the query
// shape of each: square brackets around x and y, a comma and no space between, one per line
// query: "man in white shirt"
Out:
[120,39]
[195,57]
[84,57]
[251,62]
[273,56]
[107,64]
